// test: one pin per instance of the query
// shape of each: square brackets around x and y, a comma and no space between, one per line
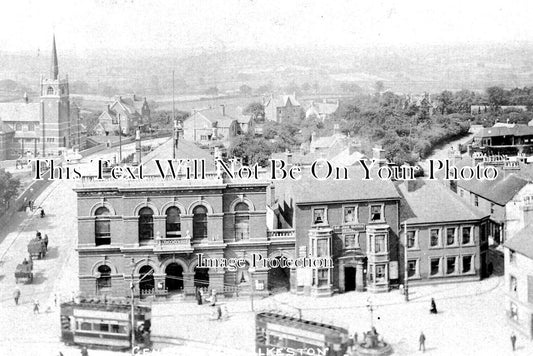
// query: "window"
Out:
[199,222]
[492,208]
[349,214]
[103,327]
[467,264]
[322,248]
[434,266]
[31,127]
[50,139]
[102,227]
[18,127]
[242,221]
[512,284]
[350,241]
[412,268]
[513,312]
[376,212]
[411,239]
[512,256]
[467,234]
[173,222]
[450,236]
[50,91]
[451,265]
[476,200]
[461,192]
[146,224]
[85,326]
[379,243]
[104,279]
[434,237]
[381,273]
[322,277]
[203,137]
[319,215]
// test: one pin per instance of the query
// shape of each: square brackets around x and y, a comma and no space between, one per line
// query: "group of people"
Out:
[211,299]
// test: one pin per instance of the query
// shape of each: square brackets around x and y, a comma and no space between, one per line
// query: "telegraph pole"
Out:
[405,266]
[119,141]
[174,138]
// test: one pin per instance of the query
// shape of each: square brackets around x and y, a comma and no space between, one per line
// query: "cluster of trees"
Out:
[9,187]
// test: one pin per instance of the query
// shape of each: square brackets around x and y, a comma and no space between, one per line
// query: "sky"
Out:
[80,26]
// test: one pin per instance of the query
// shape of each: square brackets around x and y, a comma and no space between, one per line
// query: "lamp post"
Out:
[252,271]
[132,287]
[370,307]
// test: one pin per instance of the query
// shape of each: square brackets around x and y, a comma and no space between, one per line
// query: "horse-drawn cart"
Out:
[37,247]
[24,270]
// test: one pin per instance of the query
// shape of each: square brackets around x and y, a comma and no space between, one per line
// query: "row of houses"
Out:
[152,232]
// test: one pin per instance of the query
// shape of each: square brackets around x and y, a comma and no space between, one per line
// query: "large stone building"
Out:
[47,127]
[151,232]
[518,257]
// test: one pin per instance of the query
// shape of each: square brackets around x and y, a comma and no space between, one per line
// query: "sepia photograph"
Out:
[266,178]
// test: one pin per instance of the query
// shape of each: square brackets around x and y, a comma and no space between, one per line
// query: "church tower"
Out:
[55,122]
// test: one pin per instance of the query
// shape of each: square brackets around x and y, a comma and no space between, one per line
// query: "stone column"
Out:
[293,281]
[188,283]
[160,225]
[216,281]
[359,277]
[186,224]
[342,282]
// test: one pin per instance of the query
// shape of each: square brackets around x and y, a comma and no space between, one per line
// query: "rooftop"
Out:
[522,241]
[515,130]
[431,202]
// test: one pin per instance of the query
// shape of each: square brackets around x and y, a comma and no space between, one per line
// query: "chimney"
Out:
[352,148]
[223,107]
[289,157]
[25,96]
[411,185]
[378,153]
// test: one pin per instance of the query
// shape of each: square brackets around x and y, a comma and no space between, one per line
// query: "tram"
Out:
[99,324]
[278,334]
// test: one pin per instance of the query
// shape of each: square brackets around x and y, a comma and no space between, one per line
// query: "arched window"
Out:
[173,222]
[199,222]
[146,224]
[103,282]
[102,227]
[50,91]
[242,221]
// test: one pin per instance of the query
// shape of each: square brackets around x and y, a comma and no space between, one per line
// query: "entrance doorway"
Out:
[201,277]
[279,279]
[349,279]
[146,278]
[174,278]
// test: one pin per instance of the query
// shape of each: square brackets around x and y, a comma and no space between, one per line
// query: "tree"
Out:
[257,110]
[445,100]
[496,96]
[8,189]
[251,149]
[379,86]
[212,91]
[245,90]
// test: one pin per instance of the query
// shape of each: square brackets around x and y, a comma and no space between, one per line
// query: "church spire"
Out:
[54,68]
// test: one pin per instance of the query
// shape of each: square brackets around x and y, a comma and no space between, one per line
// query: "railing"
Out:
[173,244]
[281,234]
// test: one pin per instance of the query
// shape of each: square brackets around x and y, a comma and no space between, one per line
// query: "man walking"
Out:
[422,342]
[35,306]
[16,296]
[513,341]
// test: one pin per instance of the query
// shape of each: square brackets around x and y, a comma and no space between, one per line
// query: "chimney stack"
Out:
[223,107]
[378,153]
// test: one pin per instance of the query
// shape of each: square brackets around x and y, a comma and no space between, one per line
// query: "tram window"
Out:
[115,328]
[295,344]
[275,340]
[104,327]
[85,326]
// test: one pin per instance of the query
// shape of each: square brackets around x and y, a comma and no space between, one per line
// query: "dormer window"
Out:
[50,91]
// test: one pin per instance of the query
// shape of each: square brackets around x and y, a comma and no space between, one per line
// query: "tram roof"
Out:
[292,321]
[109,305]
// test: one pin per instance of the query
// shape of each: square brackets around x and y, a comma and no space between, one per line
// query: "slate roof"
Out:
[522,241]
[309,190]
[29,112]
[215,116]
[432,202]
[499,191]
[282,101]
[516,130]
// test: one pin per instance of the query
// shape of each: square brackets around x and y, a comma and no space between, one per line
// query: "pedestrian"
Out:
[422,342]
[35,306]
[355,336]
[513,341]
[55,300]
[219,312]
[16,296]
[433,309]
[84,351]
[198,296]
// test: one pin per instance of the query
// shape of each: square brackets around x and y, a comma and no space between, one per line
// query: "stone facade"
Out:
[152,234]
